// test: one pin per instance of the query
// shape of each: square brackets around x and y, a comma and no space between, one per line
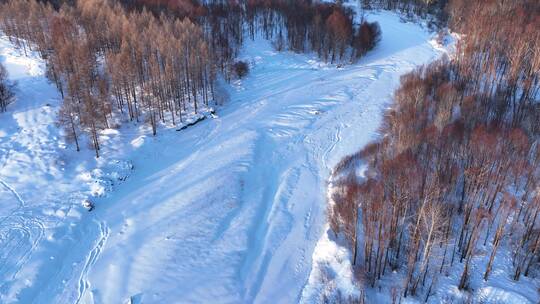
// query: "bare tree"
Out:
[6,89]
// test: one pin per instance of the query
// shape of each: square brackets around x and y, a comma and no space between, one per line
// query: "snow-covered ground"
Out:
[229,210]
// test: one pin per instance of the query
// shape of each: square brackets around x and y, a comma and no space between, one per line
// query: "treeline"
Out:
[177,8]
[458,168]
[434,9]
[105,61]
[301,26]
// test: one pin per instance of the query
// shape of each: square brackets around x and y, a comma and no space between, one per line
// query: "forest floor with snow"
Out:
[231,210]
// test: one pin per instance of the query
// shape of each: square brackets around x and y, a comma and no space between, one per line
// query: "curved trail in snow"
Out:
[14,192]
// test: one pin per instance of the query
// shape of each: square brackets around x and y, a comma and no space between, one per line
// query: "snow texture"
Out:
[229,210]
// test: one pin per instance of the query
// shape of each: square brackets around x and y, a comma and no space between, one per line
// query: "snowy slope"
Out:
[34,188]
[227,211]
[43,228]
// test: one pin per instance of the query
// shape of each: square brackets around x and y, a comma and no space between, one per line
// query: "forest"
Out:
[157,61]
[455,175]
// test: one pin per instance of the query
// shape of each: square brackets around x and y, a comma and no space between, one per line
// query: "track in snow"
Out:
[91,260]
[14,192]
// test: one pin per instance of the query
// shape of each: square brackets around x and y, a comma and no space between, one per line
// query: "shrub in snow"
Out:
[241,69]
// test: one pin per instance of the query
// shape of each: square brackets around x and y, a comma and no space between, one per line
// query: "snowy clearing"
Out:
[229,210]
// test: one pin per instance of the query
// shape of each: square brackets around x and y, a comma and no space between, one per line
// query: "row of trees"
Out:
[106,61]
[301,26]
[326,28]
[410,8]
[458,169]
